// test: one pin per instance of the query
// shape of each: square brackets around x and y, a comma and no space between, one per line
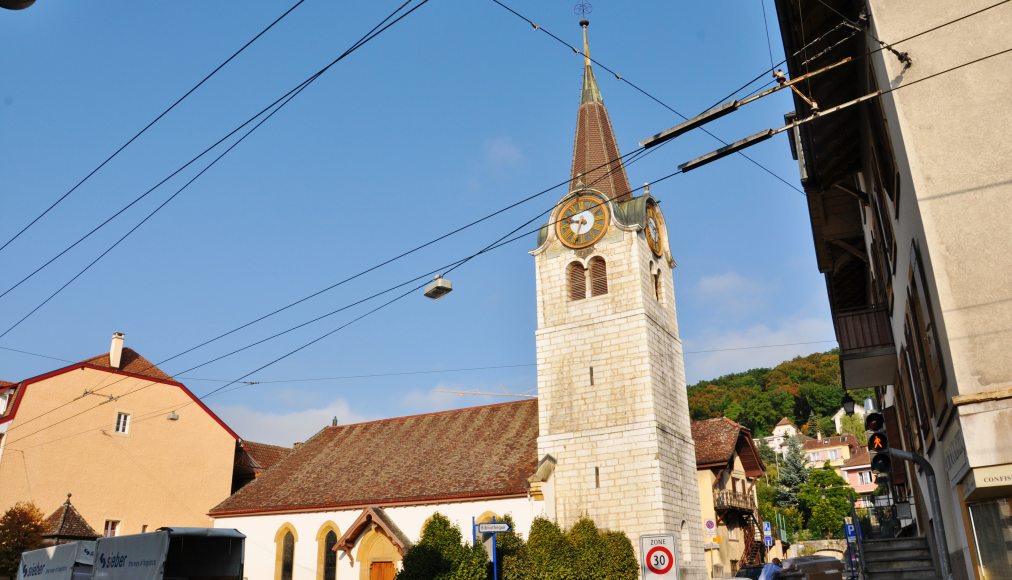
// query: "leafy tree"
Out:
[589,548]
[825,521]
[821,398]
[621,562]
[550,552]
[441,554]
[824,484]
[21,530]
[853,424]
[793,474]
[767,454]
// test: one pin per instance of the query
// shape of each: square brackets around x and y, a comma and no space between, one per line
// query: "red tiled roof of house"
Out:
[715,440]
[784,421]
[130,362]
[67,522]
[845,439]
[5,384]
[265,455]
[484,451]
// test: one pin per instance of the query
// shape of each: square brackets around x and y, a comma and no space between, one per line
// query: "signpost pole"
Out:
[495,559]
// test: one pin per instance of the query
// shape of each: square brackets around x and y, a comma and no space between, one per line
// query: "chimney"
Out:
[818,434]
[116,349]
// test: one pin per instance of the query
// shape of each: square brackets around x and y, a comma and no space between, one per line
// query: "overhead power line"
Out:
[619,77]
[276,106]
[151,123]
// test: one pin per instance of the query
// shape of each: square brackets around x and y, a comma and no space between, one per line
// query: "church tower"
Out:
[614,438]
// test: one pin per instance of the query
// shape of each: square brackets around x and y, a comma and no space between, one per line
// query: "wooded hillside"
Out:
[806,390]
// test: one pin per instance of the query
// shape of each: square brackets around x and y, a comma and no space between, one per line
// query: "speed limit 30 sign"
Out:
[657,556]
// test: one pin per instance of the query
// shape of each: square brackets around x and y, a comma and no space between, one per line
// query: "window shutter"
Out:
[598,277]
[577,281]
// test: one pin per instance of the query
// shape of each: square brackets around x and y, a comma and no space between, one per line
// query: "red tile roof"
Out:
[715,440]
[264,455]
[130,362]
[834,441]
[5,384]
[467,453]
[784,421]
[596,160]
[66,522]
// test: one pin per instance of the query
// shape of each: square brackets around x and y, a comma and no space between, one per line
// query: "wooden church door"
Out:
[381,571]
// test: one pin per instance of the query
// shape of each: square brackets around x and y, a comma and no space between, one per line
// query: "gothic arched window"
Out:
[285,558]
[577,281]
[598,276]
[329,556]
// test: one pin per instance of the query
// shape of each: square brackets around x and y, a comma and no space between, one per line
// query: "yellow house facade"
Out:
[727,467]
[137,449]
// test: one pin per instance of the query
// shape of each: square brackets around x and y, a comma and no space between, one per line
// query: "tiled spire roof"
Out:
[67,523]
[596,161]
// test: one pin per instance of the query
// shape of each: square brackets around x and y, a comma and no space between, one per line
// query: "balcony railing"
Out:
[867,350]
[864,329]
[725,499]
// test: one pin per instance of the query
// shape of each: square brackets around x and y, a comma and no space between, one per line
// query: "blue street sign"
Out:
[768,540]
[851,532]
[767,529]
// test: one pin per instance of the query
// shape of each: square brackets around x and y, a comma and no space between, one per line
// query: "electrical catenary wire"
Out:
[479,368]
[150,124]
[449,267]
[521,236]
[631,159]
[619,77]
[276,105]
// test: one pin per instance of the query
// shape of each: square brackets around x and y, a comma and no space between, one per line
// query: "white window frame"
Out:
[125,423]
[111,526]
[861,476]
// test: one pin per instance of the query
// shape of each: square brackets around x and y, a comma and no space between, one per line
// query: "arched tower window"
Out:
[598,276]
[577,281]
[284,561]
[658,288]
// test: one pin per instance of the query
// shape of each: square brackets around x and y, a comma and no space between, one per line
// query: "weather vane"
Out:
[583,8]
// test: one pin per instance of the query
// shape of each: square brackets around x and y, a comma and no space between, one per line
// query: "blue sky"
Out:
[458,110]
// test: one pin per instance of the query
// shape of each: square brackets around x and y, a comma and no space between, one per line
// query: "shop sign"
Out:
[954,452]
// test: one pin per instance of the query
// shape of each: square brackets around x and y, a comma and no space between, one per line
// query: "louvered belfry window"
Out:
[598,277]
[577,281]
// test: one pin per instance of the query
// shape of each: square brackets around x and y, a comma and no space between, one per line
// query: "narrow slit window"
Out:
[577,281]
[122,423]
[658,289]
[597,477]
[598,277]
[591,376]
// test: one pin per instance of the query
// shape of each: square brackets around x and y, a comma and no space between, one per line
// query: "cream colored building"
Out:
[727,467]
[910,198]
[611,380]
[135,448]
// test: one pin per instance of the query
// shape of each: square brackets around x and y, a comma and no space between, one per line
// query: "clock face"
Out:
[653,230]
[583,221]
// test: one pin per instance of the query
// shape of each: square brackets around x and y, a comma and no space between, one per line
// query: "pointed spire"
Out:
[596,163]
[590,91]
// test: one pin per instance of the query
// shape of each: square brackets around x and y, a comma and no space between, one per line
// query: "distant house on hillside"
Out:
[782,432]
[835,450]
[137,448]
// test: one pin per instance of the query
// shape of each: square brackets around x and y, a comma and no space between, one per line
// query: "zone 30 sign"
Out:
[657,556]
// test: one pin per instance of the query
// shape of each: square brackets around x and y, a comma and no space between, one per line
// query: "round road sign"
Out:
[660,560]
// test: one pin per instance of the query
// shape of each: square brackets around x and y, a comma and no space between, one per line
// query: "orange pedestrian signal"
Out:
[878,442]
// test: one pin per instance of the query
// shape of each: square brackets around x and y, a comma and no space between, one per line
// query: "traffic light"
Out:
[878,442]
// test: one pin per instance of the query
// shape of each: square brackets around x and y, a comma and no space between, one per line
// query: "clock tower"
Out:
[614,434]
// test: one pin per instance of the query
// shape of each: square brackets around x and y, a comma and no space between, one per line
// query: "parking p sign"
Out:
[657,556]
